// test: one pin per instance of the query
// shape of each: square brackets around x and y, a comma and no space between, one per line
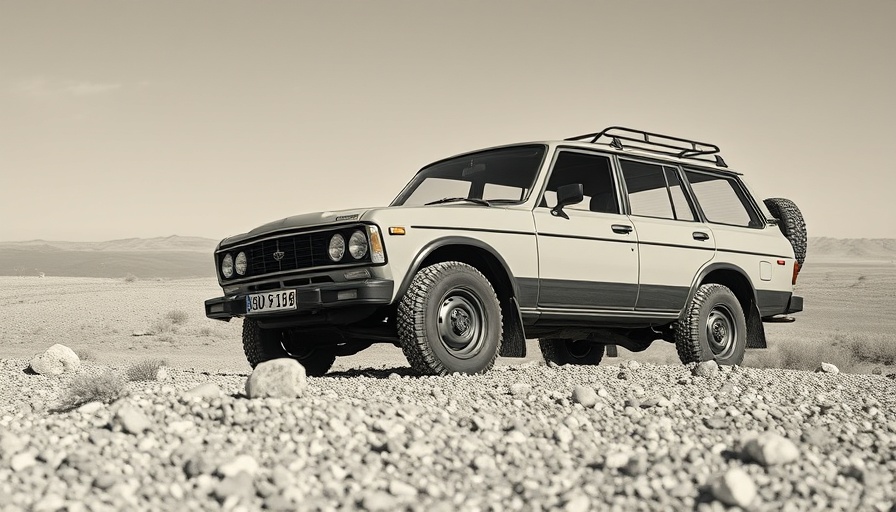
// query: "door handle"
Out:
[621,229]
[700,235]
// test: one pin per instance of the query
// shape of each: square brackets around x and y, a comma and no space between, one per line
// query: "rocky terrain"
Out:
[637,436]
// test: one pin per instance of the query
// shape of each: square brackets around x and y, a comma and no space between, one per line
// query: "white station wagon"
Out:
[615,238]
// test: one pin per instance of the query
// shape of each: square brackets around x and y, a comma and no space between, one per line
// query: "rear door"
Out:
[673,244]
[589,261]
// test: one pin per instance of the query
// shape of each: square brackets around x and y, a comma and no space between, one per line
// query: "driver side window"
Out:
[593,172]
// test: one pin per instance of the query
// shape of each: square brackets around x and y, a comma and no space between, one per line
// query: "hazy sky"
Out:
[152,118]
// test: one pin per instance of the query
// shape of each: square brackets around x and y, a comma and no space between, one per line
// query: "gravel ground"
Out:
[530,437]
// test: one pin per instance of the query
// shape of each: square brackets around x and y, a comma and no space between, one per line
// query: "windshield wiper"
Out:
[483,202]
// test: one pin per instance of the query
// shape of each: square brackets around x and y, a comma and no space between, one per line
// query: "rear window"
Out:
[722,199]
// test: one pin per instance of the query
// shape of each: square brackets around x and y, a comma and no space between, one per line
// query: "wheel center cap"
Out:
[460,321]
[719,332]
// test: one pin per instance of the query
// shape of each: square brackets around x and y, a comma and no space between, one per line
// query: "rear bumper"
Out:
[795,305]
[310,298]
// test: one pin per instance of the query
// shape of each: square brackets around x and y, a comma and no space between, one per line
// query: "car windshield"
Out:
[503,176]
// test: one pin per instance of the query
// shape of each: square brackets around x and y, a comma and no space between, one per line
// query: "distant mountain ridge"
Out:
[862,249]
[168,243]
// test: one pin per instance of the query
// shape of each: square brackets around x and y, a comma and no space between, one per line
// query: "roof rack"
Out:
[656,143]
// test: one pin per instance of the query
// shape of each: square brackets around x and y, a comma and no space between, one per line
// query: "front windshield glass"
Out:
[503,175]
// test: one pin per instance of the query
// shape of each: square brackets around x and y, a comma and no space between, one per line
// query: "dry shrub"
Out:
[177,317]
[105,387]
[130,278]
[85,354]
[145,370]
[874,349]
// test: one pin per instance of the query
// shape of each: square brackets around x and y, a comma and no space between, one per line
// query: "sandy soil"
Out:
[843,299]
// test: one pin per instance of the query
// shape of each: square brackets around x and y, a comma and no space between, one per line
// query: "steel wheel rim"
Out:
[721,331]
[462,323]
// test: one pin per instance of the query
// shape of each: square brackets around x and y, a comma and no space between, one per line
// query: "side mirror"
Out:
[567,195]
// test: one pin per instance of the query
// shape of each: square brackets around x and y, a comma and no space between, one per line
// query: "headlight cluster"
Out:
[357,246]
[229,264]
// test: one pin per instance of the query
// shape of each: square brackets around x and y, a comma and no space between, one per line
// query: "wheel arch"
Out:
[735,278]
[493,266]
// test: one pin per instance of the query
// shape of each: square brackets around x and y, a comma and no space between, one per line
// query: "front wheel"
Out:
[713,327]
[262,345]
[566,351]
[449,321]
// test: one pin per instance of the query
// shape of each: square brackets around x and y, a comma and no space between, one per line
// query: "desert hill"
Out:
[187,256]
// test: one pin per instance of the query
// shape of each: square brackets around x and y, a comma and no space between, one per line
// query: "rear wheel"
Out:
[713,327]
[262,345]
[566,351]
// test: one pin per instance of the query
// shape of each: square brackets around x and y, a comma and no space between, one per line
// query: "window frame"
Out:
[696,212]
[614,178]
[757,218]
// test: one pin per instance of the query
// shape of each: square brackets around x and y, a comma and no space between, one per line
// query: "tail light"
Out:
[796,271]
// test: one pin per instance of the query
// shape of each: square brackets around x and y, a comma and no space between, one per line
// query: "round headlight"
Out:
[337,247]
[357,245]
[227,266]
[240,263]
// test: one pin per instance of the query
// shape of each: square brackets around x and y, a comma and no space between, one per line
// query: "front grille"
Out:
[300,251]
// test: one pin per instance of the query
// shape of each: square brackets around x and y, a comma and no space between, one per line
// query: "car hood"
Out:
[299,221]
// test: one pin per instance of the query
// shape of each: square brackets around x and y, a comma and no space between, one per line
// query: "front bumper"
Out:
[309,298]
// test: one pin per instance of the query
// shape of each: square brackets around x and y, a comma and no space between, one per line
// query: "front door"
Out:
[590,260]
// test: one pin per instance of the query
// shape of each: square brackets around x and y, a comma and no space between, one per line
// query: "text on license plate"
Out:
[271,301]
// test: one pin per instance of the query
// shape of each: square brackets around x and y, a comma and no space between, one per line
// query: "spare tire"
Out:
[792,224]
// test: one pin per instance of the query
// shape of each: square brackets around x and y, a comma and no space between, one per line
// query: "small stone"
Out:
[162,373]
[623,376]
[706,369]
[21,461]
[239,485]
[49,503]
[131,419]
[277,378]
[515,437]
[734,487]
[616,460]
[11,444]
[520,389]
[827,368]
[770,449]
[90,408]
[650,402]
[399,488]
[104,481]
[715,422]
[563,435]
[631,365]
[240,463]
[816,436]
[635,466]
[55,360]
[206,391]
[376,501]
[578,503]
[585,396]
[483,463]
[282,477]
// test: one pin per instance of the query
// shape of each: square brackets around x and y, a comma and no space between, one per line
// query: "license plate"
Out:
[271,301]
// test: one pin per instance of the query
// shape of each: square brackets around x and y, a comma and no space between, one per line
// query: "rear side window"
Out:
[655,191]
[722,199]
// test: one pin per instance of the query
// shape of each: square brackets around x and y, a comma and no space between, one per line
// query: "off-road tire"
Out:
[565,351]
[704,332]
[792,224]
[438,347]
[261,345]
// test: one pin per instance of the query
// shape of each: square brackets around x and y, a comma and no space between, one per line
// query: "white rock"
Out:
[734,487]
[239,463]
[584,395]
[771,449]
[11,444]
[399,488]
[90,408]
[520,389]
[131,419]
[277,378]
[56,360]
[827,368]
[616,460]
[204,391]
[706,369]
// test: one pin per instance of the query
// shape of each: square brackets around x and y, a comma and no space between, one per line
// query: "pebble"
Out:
[771,449]
[828,368]
[706,369]
[585,396]
[131,419]
[277,378]
[734,487]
